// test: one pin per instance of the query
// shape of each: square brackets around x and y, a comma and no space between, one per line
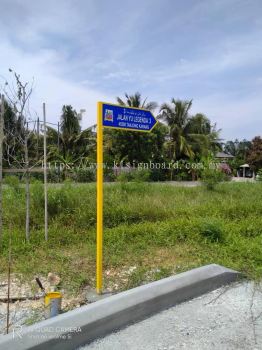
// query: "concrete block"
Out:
[87,323]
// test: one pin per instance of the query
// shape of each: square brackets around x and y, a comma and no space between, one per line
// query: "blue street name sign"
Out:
[127,118]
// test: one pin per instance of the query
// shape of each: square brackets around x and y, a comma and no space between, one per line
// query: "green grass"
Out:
[158,229]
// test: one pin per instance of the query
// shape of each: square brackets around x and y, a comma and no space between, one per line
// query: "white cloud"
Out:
[238,118]
[49,87]
[76,52]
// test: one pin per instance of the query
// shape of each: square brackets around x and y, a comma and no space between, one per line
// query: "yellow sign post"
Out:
[117,117]
[99,228]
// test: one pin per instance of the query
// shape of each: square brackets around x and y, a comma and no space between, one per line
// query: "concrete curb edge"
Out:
[87,323]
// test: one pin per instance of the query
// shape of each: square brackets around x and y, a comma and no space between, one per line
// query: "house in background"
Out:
[223,157]
[245,171]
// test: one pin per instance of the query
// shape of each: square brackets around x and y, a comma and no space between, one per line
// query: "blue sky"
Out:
[79,52]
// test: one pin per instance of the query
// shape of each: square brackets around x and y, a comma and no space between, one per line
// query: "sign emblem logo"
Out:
[109,116]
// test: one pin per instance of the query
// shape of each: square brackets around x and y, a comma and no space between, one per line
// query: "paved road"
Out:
[229,318]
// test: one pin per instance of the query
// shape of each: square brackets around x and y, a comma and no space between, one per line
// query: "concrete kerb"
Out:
[87,323]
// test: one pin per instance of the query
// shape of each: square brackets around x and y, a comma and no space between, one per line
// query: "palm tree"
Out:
[176,117]
[75,144]
[70,128]
[199,124]
[203,137]
[189,136]
[136,101]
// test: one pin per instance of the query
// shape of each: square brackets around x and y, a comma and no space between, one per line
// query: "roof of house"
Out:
[224,155]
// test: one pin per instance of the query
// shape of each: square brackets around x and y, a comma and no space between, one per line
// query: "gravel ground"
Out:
[26,307]
[21,313]
[226,319]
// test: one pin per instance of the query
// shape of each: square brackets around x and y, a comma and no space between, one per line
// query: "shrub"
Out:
[211,177]
[259,175]
[54,175]
[225,168]
[137,175]
[142,175]
[13,182]
[83,175]
[109,175]
[60,200]
[37,195]
[212,231]
[182,175]
[124,177]
[158,175]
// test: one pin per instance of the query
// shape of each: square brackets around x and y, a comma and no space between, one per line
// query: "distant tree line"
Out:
[178,137]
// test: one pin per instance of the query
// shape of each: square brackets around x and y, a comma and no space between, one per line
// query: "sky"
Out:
[80,52]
